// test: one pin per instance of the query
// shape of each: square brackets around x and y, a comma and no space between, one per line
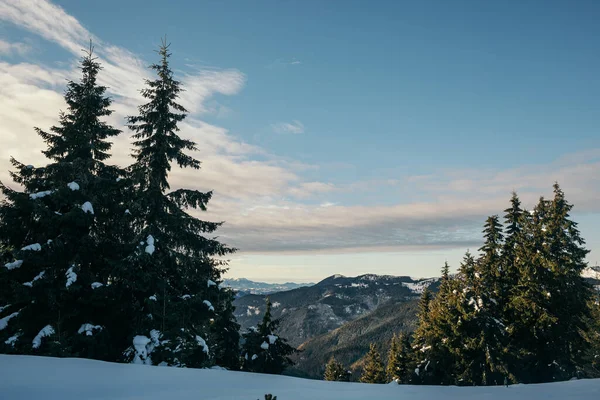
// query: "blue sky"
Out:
[341,137]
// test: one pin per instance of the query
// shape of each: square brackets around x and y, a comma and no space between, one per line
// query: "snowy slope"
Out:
[26,377]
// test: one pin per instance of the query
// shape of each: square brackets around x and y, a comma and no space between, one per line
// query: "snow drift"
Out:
[28,377]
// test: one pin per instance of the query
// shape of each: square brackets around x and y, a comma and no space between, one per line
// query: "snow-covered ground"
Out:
[27,377]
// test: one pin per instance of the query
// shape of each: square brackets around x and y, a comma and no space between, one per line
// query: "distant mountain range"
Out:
[340,316]
[244,286]
[306,312]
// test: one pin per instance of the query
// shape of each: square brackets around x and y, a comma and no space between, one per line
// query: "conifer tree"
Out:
[400,367]
[263,350]
[482,331]
[225,332]
[373,371]
[335,371]
[434,337]
[170,285]
[62,235]
[591,362]
[549,303]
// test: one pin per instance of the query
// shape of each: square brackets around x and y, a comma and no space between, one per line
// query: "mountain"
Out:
[244,286]
[350,342]
[592,274]
[307,312]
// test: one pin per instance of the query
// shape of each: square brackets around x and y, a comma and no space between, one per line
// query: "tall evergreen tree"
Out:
[335,371]
[263,350]
[170,283]
[482,332]
[62,235]
[549,303]
[434,336]
[373,371]
[400,367]
[591,363]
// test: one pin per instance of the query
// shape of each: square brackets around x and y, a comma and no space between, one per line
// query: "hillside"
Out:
[349,343]
[307,312]
[26,377]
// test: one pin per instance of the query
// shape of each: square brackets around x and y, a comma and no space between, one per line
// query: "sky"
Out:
[337,137]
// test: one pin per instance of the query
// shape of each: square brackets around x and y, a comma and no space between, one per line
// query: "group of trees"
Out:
[519,312]
[106,262]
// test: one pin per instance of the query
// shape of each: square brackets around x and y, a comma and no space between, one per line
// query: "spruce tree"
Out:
[225,332]
[61,236]
[434,337]
[263,350]
[483,331]
[400,367]
[373,371]
[591,362]
[335,371]
[170,285]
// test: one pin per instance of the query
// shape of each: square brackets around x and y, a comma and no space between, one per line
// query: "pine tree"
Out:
[263,350]
[591,363]
[62,235]
[482,331]
[169,287]
[568,293]
[550,301]
[335,371]
[434,337]
[373,371]
[400,367]
[225,332]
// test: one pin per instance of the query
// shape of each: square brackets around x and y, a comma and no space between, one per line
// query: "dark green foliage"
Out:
[591,366]
[400,367]
[521,310]
[263,350]
[373,371]
[335,371]
[71,213]
[168,286]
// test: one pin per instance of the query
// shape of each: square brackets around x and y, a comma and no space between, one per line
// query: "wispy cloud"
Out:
[268,205]
[295,127]
[17,48]
[282,62]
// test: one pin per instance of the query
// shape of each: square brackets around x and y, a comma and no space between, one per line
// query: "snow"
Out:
[128,212]
[46,331]
[153,298]
[88,329]
[14,264]
[30,377]
[141,346]
[39,195]
[254,357]
[32,247]
[272,338]
[276,304]
[4,321]
[96,285]
[202,342]
[37,277]
[338,276]
[150,247]
[186,297]
[211,283]
[264,345]
[73,186]
[71,276]
[209,305]
[2,308]
[87,208]
[11,340]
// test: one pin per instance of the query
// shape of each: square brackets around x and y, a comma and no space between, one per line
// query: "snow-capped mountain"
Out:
[245,286]
[306,312]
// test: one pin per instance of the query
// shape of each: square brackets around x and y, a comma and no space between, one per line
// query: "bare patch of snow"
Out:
[71,276]
[87,208]
[14,264]
[32,247]
[73,186]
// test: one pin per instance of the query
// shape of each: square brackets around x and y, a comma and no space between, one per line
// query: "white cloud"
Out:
[294,127]
[18,48]
[264,202]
